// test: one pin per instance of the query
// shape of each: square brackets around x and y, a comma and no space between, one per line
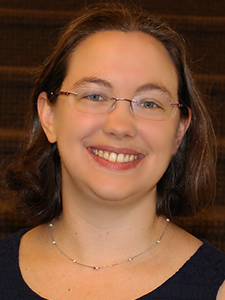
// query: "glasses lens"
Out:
[153,108]
[91,100]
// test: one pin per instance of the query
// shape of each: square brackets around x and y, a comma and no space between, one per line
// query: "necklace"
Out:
[112,265]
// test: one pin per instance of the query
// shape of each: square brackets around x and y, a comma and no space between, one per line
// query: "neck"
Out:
[107,234]
[95,267]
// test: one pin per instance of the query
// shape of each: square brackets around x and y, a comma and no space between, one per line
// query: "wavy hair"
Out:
[34,179]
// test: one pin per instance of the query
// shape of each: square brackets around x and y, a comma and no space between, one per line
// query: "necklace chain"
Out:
[112,265]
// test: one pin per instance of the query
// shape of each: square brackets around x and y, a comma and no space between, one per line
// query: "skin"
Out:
[108,210]
[119,129]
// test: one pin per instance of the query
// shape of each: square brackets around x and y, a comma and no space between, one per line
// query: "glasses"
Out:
[150,105]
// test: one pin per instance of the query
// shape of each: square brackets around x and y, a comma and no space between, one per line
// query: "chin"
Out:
[111,195]
[116,195]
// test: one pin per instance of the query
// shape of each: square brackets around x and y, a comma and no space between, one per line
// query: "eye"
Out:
[147,103]
[94,97]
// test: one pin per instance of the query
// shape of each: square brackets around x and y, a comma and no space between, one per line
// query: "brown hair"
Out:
[189,182]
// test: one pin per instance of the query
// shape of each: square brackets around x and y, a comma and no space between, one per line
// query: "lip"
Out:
[115,165]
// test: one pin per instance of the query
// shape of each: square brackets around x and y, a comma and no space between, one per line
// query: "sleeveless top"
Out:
[198,279]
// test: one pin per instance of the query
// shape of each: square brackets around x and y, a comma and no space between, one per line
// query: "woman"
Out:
[120,142]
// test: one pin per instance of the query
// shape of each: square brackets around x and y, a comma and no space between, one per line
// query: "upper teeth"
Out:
[113,157]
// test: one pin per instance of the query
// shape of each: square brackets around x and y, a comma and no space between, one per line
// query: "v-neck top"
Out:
[198,279]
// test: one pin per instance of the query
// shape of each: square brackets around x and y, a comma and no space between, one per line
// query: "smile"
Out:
[114,157]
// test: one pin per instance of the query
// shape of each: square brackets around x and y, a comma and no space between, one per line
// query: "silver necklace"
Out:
[112,265]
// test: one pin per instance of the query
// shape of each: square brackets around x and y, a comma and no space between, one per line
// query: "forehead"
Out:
[124,59]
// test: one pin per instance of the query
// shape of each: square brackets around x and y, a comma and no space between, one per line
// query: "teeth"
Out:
[127,158]
[120,158]
[100,153]
[131,157]
[106,155]
[113,157]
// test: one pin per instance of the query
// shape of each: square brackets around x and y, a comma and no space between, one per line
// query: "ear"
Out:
[183,126]
[46,114]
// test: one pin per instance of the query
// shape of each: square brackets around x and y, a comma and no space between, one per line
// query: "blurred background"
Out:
[28,32]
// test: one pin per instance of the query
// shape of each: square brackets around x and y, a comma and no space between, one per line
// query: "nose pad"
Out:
[121,99]
[131,108]
[112,107]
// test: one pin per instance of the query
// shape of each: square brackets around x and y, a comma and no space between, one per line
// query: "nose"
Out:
[120,121]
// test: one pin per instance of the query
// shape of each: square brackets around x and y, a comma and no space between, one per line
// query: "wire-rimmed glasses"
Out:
[146,105]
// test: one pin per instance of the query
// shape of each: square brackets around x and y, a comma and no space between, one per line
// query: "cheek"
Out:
[72,125]
[160,137]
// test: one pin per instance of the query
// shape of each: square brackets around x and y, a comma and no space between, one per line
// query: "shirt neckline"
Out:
[152,293]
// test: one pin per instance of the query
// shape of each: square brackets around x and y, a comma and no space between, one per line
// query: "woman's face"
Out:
[121,63]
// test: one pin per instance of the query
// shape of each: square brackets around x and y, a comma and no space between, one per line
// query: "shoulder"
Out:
[208,262]
[9,246]
[9,265]
[215,267]
[202,261]
[201,277]
[205,271]
[212,256]
[9,250]
[12,240]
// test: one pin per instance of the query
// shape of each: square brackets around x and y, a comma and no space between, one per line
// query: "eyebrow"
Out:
[106,84]
[92,79]
[152,86]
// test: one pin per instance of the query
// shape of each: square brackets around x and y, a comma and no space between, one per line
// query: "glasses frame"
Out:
[52,94]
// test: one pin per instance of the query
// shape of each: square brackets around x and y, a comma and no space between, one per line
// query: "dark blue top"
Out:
[198,279]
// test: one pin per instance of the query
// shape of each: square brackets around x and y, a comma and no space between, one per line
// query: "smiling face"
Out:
[116,155]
